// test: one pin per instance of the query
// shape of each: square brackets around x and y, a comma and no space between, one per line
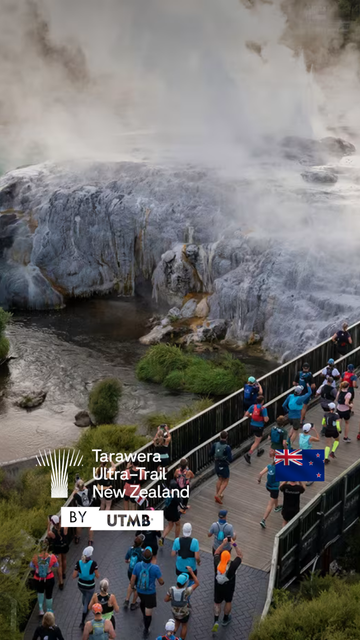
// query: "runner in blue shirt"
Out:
[144,576]
[169,629]
[273,488]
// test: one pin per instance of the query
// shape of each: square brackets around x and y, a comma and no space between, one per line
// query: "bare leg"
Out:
[224,484]
[177,529]
[284,523]
[183,630]
[227,608]
[63,562]
[255,445]
[90,535]
[271,505]
[108,505]
[135,596]
[60,571]
[218,485]
[303,412]
[346,428]
[167,529]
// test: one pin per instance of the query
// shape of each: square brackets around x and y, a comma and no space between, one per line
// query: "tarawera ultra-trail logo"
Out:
[59,463]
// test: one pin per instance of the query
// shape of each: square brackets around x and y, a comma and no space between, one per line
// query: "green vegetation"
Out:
[109,437]
[173,419]
[104,400]
[4,342]
[349,10]
[325,609]
[181,371]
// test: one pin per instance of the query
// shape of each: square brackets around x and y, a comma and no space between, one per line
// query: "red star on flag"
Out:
[318,455]
[311,463]
[318,475]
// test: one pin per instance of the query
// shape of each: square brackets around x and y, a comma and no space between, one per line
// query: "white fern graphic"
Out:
[59,464]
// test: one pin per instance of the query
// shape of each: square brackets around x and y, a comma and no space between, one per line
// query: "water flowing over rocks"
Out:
[81,229]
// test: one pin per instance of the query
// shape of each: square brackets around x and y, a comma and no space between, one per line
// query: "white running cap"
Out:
[307,427]
[55,519]
[187,529]
[170,625]
[88,551]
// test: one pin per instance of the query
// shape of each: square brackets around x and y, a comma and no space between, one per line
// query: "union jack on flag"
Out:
[287,456]
[304,465]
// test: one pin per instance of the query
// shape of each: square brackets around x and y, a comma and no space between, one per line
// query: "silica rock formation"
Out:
[261,253]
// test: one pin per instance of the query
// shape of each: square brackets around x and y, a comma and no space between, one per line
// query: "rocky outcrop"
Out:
[31,400]
[83,419]
[253,254]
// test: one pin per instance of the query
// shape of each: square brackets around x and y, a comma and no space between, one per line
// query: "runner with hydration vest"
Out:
[221,451]
[327,392]
[82,498]
[179,596]
[306,440]
[183,475]
[258,417]
[252,389]
[332,430]
[278,436]
[293,407]
[187,550]
[86,570]
[145,574]
[350,377]
[132,557]
[169,631]
[43,564]
[225,579]
[344,407]
[305,379]
[272,486]
[107,600]
[221,530]
[99,628]
[343,340]
[330,370]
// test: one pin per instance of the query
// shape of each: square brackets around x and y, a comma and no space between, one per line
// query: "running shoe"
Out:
[41,612]
[161,542]
[358,436]
[308,484]
[332,455]
[347,440]
[277,509]
[215,627]
[133,606]
[260,452]
[327,460]
[126,604]
[218,500]
[263,524]
[247,458]
[226,622]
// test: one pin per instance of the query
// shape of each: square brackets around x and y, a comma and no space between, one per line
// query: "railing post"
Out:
[343,504]
[299,546]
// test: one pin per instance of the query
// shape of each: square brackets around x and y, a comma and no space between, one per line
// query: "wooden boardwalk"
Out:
[246,500]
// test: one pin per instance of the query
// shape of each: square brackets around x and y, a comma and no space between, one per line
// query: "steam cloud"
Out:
[198,79]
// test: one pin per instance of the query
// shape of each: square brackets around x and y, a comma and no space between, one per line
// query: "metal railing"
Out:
[321,523]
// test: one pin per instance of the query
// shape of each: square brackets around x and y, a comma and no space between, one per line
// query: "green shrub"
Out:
[180,371]
[104,400]
[351,558]
[333,615]
[109,438]
[5,318]
[4,347]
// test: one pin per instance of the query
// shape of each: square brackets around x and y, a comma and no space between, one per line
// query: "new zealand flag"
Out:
[304,465]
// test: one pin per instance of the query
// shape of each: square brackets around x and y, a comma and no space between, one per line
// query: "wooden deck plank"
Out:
[246,500]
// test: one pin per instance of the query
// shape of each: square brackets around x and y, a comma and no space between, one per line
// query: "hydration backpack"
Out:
[143,581]
[182,480]
[178,597]
[327,392]
[84,495]
[343,338]
[98,630]
[257,415]
[276,435]
[43,567]
[342,397]
[347,377]
[250,392]
[185,548]
[220,449]
[135,557]
[221,533]
[221,578]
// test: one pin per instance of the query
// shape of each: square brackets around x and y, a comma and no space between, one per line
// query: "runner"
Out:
[169,629]
[107,601]
[221,530]
[225,579]
[173,508]
[150,540]
[187,550]
[132,557]
[144,576]
[105,471]
[291,505]
[132,485]
[278,436]
[258,418]
[221,451]
[58,538]
[344,407]
[48,629]
[293,407]
[342,339]
[43,564]
[179,596]
[99,627]
[332,430]
[83,499]
[304,379]
[183,475]
[306,439]
[161,442]
[330,370]
[252,389]
[273,488]
[86,570]
[327,392]
[350,377]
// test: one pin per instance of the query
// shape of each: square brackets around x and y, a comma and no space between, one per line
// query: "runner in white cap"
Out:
[169,629]
[306,439]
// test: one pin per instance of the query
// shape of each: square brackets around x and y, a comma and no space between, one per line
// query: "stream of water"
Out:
[65,352]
